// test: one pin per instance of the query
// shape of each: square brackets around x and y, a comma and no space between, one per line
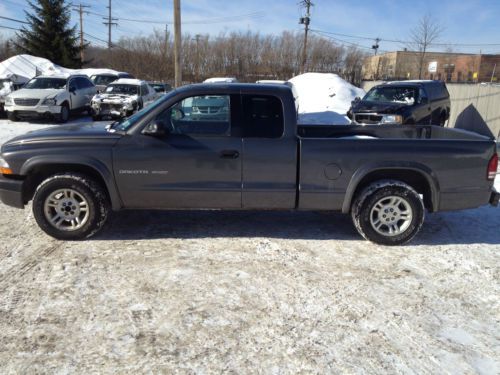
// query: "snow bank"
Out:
[324,98]
[28,66]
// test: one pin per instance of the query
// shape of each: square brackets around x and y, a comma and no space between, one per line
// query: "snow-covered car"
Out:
[102,80]
[221,80]
[122,98]
[8,84]
[52,96]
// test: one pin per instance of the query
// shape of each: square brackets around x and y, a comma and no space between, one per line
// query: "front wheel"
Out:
[11,116]
[64,114]
[70,206]
[388,212]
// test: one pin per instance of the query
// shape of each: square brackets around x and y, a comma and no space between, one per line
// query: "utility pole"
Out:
[109,23]
[79,9]
[375,46]
[197,38]
[177,43]
[305,21]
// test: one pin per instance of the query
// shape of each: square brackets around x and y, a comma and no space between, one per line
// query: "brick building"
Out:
[449,67]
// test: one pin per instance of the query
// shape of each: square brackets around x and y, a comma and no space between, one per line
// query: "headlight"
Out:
[49,101]
[392,119]
[9,100]
[4,167]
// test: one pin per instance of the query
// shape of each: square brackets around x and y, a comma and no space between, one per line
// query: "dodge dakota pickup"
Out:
[246,154]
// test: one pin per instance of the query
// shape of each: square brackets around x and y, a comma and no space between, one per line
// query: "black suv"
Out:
[403,102]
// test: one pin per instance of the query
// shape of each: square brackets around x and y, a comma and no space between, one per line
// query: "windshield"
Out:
[126,123]
[103,80]
[158,87]
[403,95]
[46,83]
[122,89]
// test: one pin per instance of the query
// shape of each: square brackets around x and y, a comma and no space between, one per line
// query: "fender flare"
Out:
[99,167]
[364,171]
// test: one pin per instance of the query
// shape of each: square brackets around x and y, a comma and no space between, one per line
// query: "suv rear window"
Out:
[437,90]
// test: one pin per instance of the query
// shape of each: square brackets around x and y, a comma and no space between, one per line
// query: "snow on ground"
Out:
[243,292]
[324,98]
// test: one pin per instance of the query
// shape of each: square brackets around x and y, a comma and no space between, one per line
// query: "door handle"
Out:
[229,154]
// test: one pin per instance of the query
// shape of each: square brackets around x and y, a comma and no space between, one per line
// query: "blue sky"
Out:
[464,21]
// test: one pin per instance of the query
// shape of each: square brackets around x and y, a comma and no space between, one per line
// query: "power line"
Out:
[343,41]
[13,20]
[10,28]
[409,42]
[208,21]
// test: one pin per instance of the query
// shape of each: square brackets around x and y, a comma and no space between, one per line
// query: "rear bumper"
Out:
[494,198]
[11,192]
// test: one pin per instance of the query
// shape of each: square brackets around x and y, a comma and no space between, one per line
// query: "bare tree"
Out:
[427,31]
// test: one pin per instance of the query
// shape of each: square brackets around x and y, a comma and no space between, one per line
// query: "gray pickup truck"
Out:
[247,154]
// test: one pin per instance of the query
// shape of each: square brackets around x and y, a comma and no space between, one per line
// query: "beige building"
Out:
[449,67]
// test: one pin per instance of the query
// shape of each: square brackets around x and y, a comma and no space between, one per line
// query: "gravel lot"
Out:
[249,292]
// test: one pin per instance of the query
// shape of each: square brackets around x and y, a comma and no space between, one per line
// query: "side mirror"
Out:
[357,99]
[156,129]
[72,90]
[424,100]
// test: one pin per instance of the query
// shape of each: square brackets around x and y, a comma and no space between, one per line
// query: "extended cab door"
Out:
[196,165]
[269,152]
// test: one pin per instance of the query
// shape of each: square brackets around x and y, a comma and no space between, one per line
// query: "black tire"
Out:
[95,198]
[364,214]
[96,117]
[64,114]
[12,116]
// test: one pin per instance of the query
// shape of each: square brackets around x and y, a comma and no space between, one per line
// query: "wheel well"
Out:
[413,178]
[41,173]
[66,103]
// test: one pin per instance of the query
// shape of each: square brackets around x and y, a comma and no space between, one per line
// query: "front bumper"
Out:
[494,198]
[11,192]
[33,111]
[111,109]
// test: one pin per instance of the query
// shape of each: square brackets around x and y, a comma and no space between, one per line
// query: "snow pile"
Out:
[29,66]
[324,98]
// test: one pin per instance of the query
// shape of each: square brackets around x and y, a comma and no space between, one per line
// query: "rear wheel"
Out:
[388,212]
[70,206]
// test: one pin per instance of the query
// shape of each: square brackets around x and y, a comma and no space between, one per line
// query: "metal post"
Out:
[177,43]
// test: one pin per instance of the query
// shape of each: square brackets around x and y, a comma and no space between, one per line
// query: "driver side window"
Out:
[198,115]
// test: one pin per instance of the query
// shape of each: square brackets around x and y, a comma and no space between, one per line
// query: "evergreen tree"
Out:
[49,34]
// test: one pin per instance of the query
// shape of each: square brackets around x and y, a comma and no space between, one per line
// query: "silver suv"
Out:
[51,96]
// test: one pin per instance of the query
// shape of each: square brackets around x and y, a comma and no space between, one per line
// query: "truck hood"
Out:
[36,93]
[95,132]
[377,107]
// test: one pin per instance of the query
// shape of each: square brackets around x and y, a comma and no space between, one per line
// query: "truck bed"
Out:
[334,159]
[388,132]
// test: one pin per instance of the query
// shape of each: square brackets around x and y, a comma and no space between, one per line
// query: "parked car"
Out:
[102,80]
[160,87]
[52,96]
[257,157]
[10,83]
[403,102]
[221,80]
[122,98]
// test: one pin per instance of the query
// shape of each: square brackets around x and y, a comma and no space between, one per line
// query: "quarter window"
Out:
[262,116]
